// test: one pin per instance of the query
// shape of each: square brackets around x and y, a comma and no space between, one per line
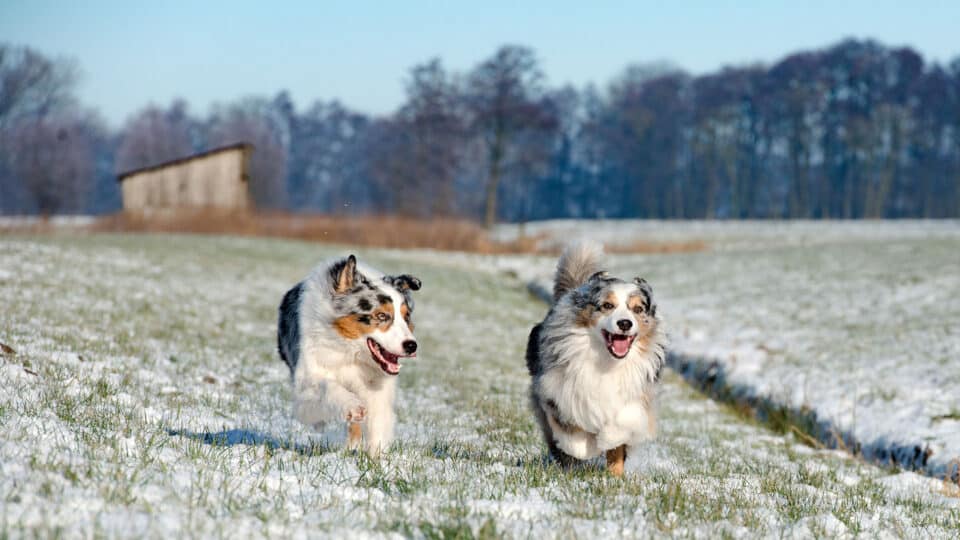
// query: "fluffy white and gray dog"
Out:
[342,331]
[594,362]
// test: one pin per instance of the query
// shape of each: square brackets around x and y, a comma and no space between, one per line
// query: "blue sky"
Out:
[134,53]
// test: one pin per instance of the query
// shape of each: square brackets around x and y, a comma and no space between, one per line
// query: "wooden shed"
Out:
[218,178]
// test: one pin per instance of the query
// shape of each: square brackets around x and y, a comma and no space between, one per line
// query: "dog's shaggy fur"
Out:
[594,362]
[342,331]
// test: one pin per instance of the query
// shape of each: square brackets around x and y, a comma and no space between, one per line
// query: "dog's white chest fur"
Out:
[607,399]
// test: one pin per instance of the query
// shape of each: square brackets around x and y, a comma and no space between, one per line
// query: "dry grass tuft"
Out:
[445,234]
[641,246]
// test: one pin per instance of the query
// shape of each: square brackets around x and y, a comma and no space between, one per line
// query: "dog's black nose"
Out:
[624,324]
[409,346]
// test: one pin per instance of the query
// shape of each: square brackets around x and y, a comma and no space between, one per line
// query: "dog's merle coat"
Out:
[288,327]
[341,332]
[594,361]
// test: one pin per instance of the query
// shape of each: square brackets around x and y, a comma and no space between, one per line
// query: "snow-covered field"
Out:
[857,322]
[141,396]
[14,223]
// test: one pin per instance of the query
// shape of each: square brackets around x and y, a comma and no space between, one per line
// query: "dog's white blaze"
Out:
[609,322]
[398,332]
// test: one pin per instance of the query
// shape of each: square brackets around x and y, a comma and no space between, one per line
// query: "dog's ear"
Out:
[343,274]
[647,291]
[406,282]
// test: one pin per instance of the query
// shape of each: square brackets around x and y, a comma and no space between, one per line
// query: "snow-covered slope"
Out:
[855,324]
[145,399]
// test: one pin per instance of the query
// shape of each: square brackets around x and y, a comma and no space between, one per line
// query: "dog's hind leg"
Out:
[556,454]
[562,458]
[616,458]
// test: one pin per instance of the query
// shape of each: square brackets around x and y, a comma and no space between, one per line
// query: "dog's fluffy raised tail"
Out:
[578,262]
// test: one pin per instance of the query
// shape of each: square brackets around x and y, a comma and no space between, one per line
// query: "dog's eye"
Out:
[383,317]
[638,308]
[607,306]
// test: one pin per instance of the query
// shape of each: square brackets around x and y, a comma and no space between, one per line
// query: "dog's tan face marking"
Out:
[587,316]
[350,327]
[646,324]
[357,324]
[591,313]
[609,303]
[382,317]
[405,313]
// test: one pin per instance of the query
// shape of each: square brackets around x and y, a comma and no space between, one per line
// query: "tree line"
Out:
[854,130]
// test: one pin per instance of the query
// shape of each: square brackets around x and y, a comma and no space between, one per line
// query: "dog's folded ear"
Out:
[343,274]
[405,282]
[647,291]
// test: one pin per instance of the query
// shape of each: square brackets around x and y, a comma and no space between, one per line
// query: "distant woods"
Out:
[856,130]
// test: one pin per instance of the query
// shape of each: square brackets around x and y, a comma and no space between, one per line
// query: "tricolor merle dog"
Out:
[342,331]
[594,362]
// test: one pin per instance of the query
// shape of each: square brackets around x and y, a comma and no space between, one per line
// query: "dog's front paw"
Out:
[356,414]
[581,445]
[612,436]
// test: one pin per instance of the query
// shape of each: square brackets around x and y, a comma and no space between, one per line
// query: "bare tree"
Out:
[437,125]
[47,145]
[32,84]
[54,158]
[506,99]
[325,164]
[155,135]
[418,152]
[255,121]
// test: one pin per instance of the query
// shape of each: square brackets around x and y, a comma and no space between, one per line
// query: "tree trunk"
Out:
[493,181]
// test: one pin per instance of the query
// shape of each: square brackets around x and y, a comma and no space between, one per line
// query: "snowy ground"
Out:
[61,222]
[132,354]
[857,322]
[730,235]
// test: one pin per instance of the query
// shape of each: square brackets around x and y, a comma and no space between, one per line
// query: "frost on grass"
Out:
[143,397]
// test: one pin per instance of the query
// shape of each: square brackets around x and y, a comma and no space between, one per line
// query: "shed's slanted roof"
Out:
[191,157]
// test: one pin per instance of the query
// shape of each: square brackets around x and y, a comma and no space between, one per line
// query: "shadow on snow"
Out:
[234,437]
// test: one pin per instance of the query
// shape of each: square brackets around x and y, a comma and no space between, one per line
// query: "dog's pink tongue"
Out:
[621,344]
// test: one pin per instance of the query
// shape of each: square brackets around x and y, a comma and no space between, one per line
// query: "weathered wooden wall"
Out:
[215,180]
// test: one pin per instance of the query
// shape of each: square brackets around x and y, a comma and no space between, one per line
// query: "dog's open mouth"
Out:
[388,361]
[618,344]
